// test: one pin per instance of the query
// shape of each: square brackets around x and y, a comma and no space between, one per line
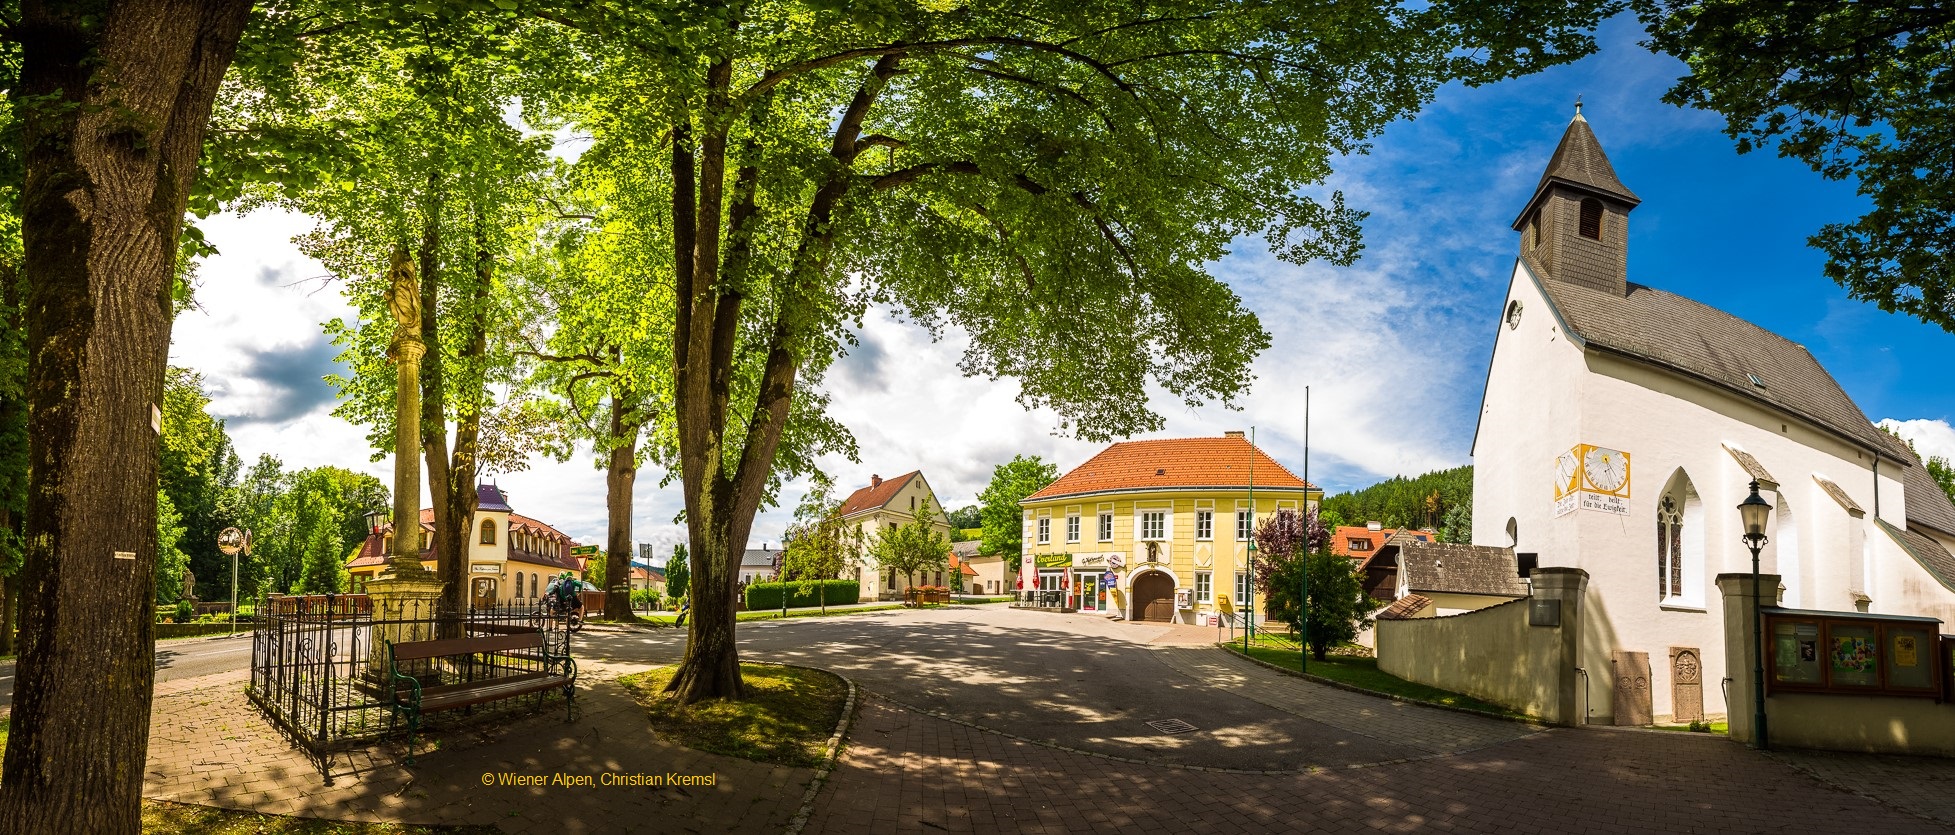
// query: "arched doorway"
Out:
[482,593]
[1153,597]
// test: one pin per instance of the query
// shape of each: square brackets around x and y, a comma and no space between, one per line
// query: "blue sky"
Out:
[1394,348]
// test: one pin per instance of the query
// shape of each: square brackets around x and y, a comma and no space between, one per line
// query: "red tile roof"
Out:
[370,549]
[1340,539]
[876,495]
[1172,463]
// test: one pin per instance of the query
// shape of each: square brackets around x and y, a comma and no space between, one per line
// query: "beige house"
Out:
[983,574]
[888,503]
[511,557]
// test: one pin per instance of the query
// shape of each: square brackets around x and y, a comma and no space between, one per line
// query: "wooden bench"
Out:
[413,699]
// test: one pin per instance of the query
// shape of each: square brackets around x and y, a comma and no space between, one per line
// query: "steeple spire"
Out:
[1575,227]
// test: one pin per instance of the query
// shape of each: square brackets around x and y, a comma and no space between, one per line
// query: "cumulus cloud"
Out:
[1931,438]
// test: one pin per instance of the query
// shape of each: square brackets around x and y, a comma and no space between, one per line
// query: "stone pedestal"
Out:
[404,609]
[1740,649]
[1568,587]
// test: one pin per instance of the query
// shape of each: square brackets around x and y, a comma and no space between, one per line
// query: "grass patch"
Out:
[169,818]
[979,600]
[1363,673]
[786,719]
[1700,727]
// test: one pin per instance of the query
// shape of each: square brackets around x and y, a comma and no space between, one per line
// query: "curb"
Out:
[1518,720]
[835,740]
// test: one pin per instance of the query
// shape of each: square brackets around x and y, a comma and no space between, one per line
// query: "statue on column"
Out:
[189,585]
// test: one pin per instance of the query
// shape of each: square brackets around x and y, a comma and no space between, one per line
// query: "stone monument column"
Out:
[405,591]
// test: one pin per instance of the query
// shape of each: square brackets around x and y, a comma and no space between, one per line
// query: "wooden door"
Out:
[1154,597]
[482,593]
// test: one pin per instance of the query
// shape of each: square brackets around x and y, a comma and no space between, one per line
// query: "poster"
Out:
[1905,650]
[1855,658]
[1787,651]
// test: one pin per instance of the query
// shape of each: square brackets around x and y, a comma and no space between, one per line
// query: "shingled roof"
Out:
[1173,464]
[1700,341]
[1452,568]
[1927,505]
[1404,608]
[1926,551]
[877,494]
[1579,162]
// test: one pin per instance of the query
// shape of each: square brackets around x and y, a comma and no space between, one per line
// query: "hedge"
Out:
[802,595]
[187,630]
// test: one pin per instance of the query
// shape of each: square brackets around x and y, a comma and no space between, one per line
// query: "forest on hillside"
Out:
[1440,500]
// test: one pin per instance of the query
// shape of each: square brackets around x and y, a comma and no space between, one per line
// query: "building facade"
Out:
[889,503]
[1622,425]
[1156,530]
[511,557]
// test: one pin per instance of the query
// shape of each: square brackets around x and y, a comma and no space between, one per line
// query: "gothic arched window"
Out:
[1591,218]
[1669,549]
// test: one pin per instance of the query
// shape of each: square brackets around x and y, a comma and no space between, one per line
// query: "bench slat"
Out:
[420,650]
[489,693]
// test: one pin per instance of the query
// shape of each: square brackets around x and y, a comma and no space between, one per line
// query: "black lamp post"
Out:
[1756,512]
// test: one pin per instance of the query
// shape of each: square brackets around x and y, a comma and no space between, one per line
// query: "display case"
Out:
[1835,652]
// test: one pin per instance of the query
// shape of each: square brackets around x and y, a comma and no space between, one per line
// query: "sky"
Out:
[1394,349]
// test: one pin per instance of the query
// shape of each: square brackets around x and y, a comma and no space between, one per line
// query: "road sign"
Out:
[584,551]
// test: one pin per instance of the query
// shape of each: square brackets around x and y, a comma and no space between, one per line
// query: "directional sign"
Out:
[584,551]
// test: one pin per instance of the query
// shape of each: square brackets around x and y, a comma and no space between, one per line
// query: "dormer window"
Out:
[1591,226]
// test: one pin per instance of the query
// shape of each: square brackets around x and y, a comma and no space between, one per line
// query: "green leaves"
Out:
[1003,519]
[1858,90]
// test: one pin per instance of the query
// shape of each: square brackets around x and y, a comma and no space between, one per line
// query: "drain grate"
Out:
[1171,726]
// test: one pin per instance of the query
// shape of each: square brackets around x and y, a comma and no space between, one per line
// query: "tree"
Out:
[818,544]
[963,519]
[1423,501]
[1852,90]
[1287,547]
[678,572]
[1031,172]
[1458,525]
[198,469]
[170,559]
[912,546]
[1943,474]
[114,100]
[1003,520]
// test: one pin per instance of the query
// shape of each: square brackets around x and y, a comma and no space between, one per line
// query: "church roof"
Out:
[1926,504]
[1929,553]
[1698,340]
[1579,162]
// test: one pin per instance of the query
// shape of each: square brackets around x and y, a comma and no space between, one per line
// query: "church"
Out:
[1622,425]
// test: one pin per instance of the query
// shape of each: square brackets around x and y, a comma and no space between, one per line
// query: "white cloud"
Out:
[1931,438]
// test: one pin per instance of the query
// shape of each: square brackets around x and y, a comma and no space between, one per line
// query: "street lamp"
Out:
[1756,512]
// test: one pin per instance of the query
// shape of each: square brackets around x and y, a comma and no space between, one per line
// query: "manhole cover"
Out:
[1171,726]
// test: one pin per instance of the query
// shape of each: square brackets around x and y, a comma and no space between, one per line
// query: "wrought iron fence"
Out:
[319,662]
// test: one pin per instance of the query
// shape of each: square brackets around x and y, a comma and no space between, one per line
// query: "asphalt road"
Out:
[185,658]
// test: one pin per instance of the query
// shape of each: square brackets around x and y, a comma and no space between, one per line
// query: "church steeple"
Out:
[1576,227]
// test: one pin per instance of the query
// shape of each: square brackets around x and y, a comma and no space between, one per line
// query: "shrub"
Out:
[802,595]
[644,599]
[184,611]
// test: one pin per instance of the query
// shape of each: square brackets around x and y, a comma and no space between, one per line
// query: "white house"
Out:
[889,503]
[1622,425]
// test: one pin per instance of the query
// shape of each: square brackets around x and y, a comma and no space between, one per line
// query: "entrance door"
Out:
[1089,592]
[1154,597]
[482,593]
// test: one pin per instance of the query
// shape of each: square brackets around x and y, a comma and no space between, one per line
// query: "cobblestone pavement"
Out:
[209,746]
[990,720]
[909,773]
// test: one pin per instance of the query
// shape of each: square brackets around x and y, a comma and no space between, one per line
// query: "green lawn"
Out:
[786,719]
[1363,673]
[1715,728]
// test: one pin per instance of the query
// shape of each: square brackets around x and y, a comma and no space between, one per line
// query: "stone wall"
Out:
[1505,654]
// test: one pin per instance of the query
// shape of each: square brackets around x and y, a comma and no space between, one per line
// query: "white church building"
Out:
[1623,424]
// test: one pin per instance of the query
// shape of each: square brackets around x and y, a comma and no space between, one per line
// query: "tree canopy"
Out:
[1855,90]
[1003,520]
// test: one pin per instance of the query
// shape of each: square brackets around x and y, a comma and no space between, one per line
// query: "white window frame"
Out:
[1153,525]
[1106,526]
[1072,527]
[1241,588]
[1245,524]
[1204,587]
[1204,525]
[1045,530]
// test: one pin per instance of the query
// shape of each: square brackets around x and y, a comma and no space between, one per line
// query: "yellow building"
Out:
[1156,530]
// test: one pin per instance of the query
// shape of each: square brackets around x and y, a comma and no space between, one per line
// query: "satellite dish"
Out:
[230,541]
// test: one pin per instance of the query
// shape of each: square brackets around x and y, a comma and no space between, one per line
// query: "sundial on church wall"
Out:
[1590,477]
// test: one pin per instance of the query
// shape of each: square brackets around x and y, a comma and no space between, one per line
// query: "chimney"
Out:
[1374,526]
[875,481]
[1236,434]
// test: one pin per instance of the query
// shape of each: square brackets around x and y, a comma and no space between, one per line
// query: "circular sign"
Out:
[230,541]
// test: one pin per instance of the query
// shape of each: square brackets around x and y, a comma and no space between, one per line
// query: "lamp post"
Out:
[1756,512]
[1249,576]
[1303,584]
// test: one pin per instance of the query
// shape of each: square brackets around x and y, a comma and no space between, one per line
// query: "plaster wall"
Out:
[1494,654]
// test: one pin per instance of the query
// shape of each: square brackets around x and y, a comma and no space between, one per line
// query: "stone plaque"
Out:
[1686,685]
[1632,687]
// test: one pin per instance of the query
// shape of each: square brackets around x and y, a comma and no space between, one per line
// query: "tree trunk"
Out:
[7,596]
[619,479]
[450,539]
[115,98]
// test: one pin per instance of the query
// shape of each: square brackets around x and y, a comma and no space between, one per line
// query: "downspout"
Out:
[1876,485]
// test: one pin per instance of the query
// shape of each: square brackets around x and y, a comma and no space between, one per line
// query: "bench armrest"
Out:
[398,678]
[559,664]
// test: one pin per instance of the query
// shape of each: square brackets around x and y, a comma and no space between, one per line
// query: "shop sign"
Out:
[1089,560]
[485,569]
